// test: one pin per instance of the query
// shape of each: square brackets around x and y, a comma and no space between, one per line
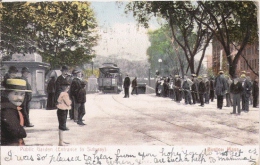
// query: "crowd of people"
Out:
[203,90]
[66,94]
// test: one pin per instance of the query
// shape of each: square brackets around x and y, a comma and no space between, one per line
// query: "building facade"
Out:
[250,52]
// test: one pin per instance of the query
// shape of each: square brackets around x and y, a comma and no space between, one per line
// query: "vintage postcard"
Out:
[129,82]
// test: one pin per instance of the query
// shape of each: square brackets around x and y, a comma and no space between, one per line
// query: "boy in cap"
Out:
[28,97]
[64,105]
[12,97]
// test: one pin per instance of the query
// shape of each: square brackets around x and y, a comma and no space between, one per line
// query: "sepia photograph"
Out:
[129,82]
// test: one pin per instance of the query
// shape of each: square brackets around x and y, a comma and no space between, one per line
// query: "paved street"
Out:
[147,120]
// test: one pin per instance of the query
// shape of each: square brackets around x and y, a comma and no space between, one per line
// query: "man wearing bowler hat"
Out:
[60,80]
[28,97]
[12,73]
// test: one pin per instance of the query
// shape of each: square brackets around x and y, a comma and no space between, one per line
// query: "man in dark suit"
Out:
[74,90]
[134,86]
[220,88]
[126,86]
[255,93]
[60,79]
[247,86]
[201,90]
[51,94]
[177,88]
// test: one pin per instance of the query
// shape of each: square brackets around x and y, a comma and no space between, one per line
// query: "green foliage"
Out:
[189,34]
[162,48]
[63,32]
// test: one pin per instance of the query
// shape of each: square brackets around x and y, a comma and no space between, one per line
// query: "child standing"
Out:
[81,100]
[12,97]
[64,105]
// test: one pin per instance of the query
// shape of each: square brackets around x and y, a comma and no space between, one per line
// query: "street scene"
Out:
[129,82]
[147,120]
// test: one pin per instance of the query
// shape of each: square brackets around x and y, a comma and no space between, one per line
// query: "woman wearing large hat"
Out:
[12,97]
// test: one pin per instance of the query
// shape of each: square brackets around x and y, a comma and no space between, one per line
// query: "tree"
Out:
[15,34]
[63,32]
[232,23]
[161,48]
[194,37]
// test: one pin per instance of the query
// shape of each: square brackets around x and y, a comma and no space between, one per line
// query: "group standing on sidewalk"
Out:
[237,91]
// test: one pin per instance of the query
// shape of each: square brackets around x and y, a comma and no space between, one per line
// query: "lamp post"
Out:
[160,61]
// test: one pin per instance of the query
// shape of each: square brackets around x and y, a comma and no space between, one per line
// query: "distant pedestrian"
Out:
[201,90]
[81,100]
[64,105]
[246,93]
[12,121]
[51,94]
[134,86]
[236,89]
[228,94]
[207,91]
[12,73]
[220,89]
[186,86]
[255,93]
[157,84]
[177,88]
[126,86]
[28,97]
[60,80]
[194,89]
[212,93]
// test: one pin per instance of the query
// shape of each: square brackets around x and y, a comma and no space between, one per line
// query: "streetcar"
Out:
[110,78]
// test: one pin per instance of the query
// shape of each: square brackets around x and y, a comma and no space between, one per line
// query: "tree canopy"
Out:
[230,22]
[62,32]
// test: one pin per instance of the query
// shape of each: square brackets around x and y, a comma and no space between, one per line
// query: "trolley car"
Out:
[110,78]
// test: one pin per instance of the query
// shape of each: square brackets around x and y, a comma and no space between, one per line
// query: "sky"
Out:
[119,32]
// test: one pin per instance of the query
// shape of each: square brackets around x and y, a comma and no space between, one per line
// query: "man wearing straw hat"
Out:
[12,122]
[220,88]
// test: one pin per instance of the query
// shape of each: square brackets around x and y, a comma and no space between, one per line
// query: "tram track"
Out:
[120,121]
[251,131]
[187,128]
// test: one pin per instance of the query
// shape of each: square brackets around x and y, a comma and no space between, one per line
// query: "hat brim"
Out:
[20,90]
